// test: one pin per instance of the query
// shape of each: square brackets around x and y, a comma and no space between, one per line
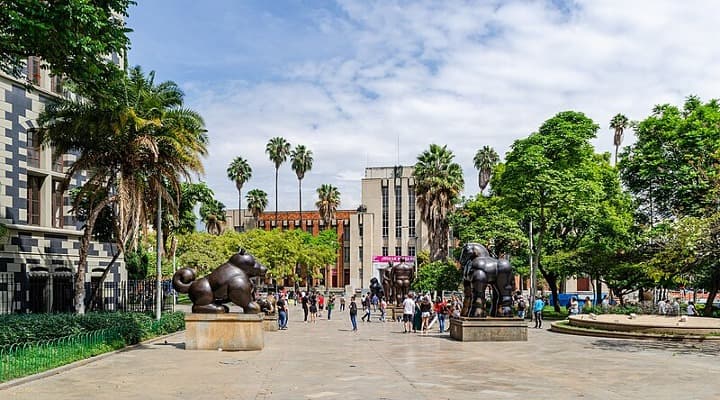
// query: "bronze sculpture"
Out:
[386,281]
[479,271]
[402,276]
[228,282]
[268,305]
[375,288]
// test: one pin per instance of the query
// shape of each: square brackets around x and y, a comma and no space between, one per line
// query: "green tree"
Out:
[134,146]
[257,202]
[328,202]
[618,123]
[240,172]
[439,182]
[301,160]
[213,214]
[673,169]
[73,38]
[485,161]
[554,178]
[278,150]
[191,194]
[438,276]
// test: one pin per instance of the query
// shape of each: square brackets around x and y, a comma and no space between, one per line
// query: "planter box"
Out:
[229,332]
[488,329]
[270,323]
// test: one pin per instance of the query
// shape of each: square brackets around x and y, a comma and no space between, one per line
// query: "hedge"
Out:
[134,327]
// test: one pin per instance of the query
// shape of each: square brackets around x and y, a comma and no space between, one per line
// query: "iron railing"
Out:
[18,360]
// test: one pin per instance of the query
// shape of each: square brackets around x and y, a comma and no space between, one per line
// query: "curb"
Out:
[558,327]
[79,363]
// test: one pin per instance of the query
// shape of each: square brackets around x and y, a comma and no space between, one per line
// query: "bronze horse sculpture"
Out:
[228,282]
[479,271]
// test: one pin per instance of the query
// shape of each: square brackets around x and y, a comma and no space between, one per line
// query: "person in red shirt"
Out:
[440,309]
[321,304]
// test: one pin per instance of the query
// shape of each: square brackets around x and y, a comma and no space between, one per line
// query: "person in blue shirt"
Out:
[537,310]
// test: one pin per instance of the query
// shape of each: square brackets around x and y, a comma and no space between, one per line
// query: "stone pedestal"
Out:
[229,332]
[488,329]
[270,323]
[395,312]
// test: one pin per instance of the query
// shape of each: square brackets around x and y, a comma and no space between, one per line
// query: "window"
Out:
[33,149]
[346,231]
[346,255]
[33,200]
[56,85]
[57,164]
[33,70]
[398,250]
[308,229]
[583,284]
[411,211]
[360,253]
[398,211]
[411,251]
[57,205]
[385,251]
[385,212]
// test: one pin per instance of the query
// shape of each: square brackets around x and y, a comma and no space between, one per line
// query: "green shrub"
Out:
[169,323]
[550,313]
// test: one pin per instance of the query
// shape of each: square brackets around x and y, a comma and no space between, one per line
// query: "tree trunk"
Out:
[300,203]
[551,280]
[707,312]
[276,197]
[240,218]
[82,261]
[104,275]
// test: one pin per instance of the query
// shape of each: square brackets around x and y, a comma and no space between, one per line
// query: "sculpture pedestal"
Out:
[229,332]
[467,329]
[270,323]
[395,312]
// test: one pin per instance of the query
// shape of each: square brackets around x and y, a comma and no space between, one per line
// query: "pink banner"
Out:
[393,259]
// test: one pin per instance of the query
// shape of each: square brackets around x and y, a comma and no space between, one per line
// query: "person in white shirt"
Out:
[662,307]
[408,312]
[691,311]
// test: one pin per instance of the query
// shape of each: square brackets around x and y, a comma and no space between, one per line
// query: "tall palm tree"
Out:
[438,182]
[485,161]
[619,123]
[135,145]
[256,202]
[278,150]
[328,202]
[213,214]
[240,172]
[301,160]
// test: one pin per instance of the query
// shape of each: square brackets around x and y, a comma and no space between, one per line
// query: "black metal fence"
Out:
[45,294]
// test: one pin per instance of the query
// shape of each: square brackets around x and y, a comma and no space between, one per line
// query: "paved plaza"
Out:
[328,361]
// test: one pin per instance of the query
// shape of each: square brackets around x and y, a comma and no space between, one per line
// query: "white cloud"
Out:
[466,76]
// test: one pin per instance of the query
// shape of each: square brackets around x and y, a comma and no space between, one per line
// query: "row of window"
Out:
[34,151]
[398,251]
[398,212]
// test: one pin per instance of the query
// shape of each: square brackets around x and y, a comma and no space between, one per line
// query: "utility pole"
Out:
[158,289]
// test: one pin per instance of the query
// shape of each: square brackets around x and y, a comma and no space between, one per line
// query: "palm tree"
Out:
[213,214]
[256,202]
[438,182]
[485,161]
[240,172]
[328,202]
[301,160]
[619,123]
[135,145]
[278,150]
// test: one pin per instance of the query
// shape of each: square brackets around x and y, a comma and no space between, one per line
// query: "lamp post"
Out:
[361,210]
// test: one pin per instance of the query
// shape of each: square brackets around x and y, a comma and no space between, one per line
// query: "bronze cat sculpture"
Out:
[228,282]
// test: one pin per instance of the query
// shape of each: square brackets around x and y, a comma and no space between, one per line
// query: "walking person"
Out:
[342,303]
[313,309]
[366,308]
[375,301]
[330,305]
[383,307]
[282,309]
[321,304]
[353,313]
[425,308]
[521,306]
[304,301]
[408,312]
[537,311]
[440,309]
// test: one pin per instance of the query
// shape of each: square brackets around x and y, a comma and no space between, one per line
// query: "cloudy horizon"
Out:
[374,83]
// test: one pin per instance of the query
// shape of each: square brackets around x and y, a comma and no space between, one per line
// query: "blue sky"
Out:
[352,78]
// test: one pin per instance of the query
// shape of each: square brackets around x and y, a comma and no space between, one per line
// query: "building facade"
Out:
[40,250]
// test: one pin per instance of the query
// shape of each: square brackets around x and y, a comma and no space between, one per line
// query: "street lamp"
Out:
[361,210]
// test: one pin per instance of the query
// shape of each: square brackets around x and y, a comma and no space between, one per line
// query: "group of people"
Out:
[313,305]
[672,308]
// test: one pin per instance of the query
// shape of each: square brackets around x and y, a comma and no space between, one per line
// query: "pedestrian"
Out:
[662,307]
[305,302]
[353,313]
[282,309]
[537,311]
[374,301]
[521,306]
[691,311]
[366,308]
[330,305]
[574,307]
[408,312]
[425,308]
[605,304]
[383,307]
[321,304]
[342,303]
[675,306]
[313,308]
